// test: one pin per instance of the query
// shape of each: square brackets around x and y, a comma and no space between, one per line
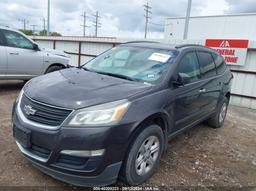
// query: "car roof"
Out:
[166,46]
[7,28]
[150,44]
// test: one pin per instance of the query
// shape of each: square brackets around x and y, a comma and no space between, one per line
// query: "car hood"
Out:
[76,88]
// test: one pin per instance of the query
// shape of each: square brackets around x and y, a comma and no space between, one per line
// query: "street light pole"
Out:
[185,34]
[48,18]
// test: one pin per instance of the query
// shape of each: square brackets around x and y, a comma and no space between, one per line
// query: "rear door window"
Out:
[220,63]
[207,65]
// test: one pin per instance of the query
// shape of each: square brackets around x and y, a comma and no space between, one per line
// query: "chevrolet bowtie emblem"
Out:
[29,110]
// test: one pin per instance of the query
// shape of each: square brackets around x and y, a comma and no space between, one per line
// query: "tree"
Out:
[43,33]
[55,34]
[26,32]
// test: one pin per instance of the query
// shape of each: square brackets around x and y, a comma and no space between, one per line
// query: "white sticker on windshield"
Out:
[159,57]
[151,75]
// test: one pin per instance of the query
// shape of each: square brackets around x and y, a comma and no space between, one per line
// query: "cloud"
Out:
[208,7]
[120,18]
[245,6]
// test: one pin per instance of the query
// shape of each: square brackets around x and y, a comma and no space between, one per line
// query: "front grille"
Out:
[44,114]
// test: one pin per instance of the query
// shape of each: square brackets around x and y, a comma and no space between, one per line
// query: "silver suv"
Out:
[22,59]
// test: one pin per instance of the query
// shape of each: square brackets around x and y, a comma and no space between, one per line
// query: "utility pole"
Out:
[34,27]
[147,9]
[44,29]
[96,23]
[185,34]
[84,25]
[24,21]
[48,18]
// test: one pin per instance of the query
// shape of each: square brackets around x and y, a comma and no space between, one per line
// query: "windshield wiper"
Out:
[89,70]
[118,76]
[112,74]
[86,69]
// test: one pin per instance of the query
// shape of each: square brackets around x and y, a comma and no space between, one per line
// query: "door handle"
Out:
[202,90]
[14,53]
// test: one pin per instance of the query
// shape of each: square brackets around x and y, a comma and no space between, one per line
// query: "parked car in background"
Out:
[22,59]
[113,116]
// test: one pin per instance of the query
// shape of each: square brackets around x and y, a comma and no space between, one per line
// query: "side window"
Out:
[1,38]
[220,63]
[189,65]
[207,65]
[14,39]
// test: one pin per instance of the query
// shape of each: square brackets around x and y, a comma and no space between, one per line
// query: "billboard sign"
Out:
[233,51]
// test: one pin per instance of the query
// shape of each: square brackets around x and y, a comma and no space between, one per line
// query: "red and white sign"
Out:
[233,51]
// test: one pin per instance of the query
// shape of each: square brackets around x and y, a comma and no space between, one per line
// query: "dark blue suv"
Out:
[113,116]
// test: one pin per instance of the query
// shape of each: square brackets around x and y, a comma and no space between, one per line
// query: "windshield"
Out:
[133,63]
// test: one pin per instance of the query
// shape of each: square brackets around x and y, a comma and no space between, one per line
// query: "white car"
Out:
[22,59]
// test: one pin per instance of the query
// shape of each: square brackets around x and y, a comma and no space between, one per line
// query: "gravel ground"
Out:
[201,159]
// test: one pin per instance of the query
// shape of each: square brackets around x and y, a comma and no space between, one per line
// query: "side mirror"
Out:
[36,47]
[182,79]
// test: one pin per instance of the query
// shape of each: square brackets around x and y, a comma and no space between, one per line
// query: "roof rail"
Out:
[140,41]
[187,45]
[4,26]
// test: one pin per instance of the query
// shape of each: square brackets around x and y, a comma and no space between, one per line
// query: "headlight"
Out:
[104,114]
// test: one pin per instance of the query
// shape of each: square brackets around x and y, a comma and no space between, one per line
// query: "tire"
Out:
[53,69]
[217,120]
[153,138]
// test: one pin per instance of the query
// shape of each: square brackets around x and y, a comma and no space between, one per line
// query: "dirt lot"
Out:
[202,158]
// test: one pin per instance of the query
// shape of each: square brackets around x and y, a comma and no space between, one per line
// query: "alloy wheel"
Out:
[147,155]
[223,111]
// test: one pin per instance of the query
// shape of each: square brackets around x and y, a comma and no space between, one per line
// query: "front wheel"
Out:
[143,156]
[53,69]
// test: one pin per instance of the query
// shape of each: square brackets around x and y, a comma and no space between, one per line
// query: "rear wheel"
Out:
[143,156]
[53,69]
[217,120]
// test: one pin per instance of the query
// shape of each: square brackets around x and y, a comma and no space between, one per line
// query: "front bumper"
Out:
[107,177]
[46,145]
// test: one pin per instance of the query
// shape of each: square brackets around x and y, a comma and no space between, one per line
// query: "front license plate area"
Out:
[22,135]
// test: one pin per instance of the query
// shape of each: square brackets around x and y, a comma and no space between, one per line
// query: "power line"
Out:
[24,22]
[147,9]
[96,23]
[84,22]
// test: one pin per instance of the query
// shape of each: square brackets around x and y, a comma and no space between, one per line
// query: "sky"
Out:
[118,18]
